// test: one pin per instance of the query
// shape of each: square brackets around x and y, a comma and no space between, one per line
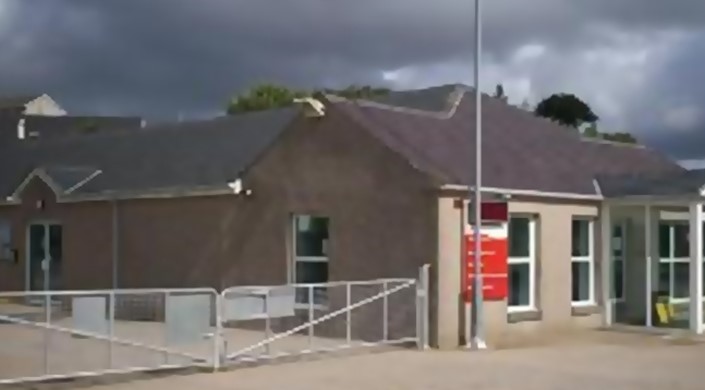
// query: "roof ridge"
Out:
[584,138]
[190,125]
[454,101]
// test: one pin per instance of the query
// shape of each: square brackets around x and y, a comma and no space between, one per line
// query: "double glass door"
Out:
[45,256]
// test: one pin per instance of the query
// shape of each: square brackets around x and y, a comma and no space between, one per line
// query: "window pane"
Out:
[5,240]
[681,280]
[618,279]
[664,240]
[519,284]
[581,238]
[518,237]
[703,239]
[664,279]
[311,236]
[581,281]
[311,272]
[617,240]
[681,240]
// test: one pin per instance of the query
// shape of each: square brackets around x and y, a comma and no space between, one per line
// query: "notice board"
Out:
[493,266]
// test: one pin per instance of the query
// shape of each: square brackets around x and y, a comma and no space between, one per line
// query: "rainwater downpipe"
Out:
[116,243]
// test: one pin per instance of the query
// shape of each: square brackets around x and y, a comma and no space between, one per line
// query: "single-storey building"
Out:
[340,189]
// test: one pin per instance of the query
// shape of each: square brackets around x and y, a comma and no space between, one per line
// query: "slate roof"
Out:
[16,101]
[520,151]
[172,157]
[432,128]
[69,125]
[429,99]
[687,183]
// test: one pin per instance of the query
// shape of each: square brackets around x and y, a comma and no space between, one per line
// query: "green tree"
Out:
[623,137]
[566,109]
[263,97]
[357,92]
[499,93]
[591,131]
[267,96]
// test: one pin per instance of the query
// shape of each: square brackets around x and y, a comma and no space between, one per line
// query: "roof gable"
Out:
[62,180]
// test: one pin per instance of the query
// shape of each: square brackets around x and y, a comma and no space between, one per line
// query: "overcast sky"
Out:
[639,63]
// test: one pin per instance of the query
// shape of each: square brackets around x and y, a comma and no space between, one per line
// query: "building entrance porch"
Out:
[655,248]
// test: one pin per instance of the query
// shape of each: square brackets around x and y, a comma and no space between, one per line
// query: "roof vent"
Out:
[313,108]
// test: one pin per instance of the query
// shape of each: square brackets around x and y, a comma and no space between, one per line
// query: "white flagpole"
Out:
[478,341]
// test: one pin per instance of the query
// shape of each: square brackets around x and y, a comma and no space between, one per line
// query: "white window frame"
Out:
[293,279]
[623,258]
[590,259]
[531,260]
[671,260]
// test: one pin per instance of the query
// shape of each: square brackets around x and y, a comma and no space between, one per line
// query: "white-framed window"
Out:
[582,262]
[522,263]
[674,260]
[5,240]
[619,257]
[310,260]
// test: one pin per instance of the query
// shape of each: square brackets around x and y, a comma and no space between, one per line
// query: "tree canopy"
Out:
[267,96]
[499,93]
[566,109]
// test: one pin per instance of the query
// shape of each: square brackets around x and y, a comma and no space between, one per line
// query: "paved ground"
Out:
[614,362]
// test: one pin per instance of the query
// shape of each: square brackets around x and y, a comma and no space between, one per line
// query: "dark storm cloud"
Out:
[677,89]
[160,57]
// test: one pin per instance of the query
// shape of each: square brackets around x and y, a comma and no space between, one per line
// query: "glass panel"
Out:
[311,236]
[681,240]
[703,239]
[617,241]
[5,240]
[618,279]
[518,237]
[36,256]
[581,281]
[55,254]
[311,272]
[664,240]
[681,280]
[664,279]
[581,238]
[519,284]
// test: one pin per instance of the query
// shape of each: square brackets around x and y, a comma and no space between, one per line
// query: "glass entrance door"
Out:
[45,256]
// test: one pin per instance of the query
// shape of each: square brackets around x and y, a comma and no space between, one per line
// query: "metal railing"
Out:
[65,334]
[69,334]
[326,317]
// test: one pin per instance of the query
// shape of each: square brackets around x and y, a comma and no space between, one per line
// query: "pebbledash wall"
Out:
[553,311]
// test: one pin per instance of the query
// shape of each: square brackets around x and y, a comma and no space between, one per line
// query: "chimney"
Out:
[21,132]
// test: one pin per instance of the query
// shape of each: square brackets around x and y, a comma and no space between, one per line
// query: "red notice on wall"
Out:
[494,266]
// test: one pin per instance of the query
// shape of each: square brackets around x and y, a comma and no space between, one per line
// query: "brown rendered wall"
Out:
[86,238]
[383,220]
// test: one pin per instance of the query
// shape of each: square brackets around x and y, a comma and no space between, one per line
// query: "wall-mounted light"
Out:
[238,188]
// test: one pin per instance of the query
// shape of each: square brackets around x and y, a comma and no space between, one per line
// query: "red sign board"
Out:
[493,267]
